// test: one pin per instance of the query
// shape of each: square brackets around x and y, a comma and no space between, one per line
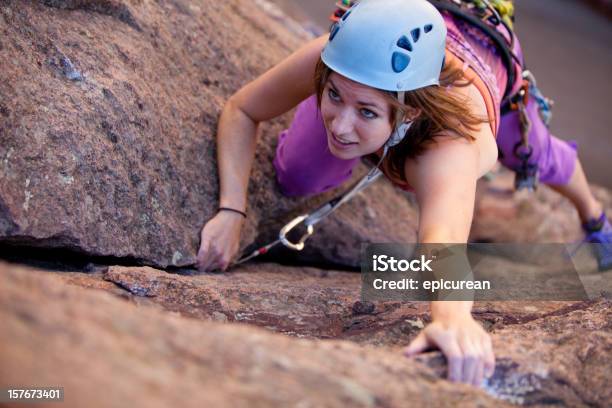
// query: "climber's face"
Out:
[357,117]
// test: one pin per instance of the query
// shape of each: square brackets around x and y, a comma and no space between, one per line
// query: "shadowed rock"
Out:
[503,215]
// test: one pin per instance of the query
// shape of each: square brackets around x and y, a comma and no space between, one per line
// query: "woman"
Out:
[394,77]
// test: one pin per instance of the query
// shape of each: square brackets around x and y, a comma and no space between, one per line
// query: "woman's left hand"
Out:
[466,345]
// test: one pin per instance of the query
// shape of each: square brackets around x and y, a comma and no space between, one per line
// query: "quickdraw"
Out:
[527,173]
[312,219]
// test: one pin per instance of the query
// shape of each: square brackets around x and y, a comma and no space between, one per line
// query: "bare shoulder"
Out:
[485,139]
[448,159]
[451,152]
[283,86]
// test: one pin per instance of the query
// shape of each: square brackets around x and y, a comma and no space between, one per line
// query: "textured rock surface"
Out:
[304,302]
[544,216]
[562,359]
[108,111]
[178,335]
[105,352]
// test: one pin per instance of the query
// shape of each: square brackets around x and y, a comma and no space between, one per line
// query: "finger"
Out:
[207,263]
[452,352]
[479,373]
[489,360]
[209,259]
[202,255]
[224,264]
[417,345]
[469,363]
[213,263]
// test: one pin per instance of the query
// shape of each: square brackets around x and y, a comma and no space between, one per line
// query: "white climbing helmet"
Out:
[394,45]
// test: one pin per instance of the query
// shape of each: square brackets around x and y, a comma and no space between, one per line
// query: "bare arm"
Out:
[444,178]
[445,187]
[270,95]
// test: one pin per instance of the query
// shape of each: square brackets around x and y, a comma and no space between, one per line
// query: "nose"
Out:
[342,122]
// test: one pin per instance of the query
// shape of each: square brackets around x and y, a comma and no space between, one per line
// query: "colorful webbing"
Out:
[342,7]
[505,8]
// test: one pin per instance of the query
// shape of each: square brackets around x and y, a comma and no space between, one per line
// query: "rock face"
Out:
[108,113]
[543,216]
[178,335]
[105,352]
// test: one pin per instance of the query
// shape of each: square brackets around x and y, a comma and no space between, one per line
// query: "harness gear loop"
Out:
[527,174]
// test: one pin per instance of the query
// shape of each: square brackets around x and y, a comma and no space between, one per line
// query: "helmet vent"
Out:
[416,34]
[404,43]
[399,61]
[428,28]
[334,31]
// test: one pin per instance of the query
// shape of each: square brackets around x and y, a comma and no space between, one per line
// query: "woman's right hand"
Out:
[219,241]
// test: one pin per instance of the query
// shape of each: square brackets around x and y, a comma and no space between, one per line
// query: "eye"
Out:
[333,95]
[368,114]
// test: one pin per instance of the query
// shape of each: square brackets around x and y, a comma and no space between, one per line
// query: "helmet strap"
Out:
[398,132]
[400,127]
[374,169]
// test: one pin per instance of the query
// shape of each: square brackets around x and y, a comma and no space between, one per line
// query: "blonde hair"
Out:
[441,110]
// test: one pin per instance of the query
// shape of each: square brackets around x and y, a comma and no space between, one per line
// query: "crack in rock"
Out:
[111,8]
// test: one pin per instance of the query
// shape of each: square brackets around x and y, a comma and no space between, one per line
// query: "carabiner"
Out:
[298,246]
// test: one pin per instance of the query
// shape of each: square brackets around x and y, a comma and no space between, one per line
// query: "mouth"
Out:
[341,141]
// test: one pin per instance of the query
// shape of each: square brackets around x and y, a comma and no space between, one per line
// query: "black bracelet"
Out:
[231,209]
